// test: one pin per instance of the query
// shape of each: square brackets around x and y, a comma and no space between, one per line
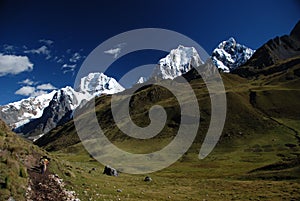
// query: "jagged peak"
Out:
[177,62]
[296,31]
[230,55]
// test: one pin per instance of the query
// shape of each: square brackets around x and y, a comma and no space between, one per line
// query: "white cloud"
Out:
[42,50]
[27,82]
[12,64]
[34,91]
[47,86]
[75,57]
[68,68]
[115,52]
[46,41]
[25,91]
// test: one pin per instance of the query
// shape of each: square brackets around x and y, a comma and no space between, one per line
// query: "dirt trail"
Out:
[47,186]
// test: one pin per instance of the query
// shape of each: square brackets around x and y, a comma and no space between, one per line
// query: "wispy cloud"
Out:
[27,82]
[59,60]
[9,49]
[115,51]
[71,60]
[13,64]
[41,50]
[68,68]
[46,41]
[47,86]
[75,57]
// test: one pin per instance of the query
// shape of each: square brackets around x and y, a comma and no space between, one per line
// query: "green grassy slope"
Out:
[257,156]
[14,153]
[17,157]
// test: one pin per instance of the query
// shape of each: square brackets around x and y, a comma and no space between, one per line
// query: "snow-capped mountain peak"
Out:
[18,113]
[141,80]
[177,62]
[66,99]
[99,83]
[229,55]
[74,98]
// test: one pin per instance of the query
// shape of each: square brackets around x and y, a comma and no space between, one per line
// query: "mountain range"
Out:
[36,116]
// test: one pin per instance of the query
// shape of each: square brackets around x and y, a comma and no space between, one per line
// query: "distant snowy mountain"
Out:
[141,80]
[230,55]
[58,112]
[21,112]
[178,62]
[66,100]
[98,83]
[35,116]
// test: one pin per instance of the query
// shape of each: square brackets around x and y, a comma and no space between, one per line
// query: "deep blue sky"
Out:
[77,27]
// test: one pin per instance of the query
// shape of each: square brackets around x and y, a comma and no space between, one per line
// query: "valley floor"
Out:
[226,174]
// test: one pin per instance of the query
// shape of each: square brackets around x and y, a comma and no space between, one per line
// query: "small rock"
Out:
[148,179]
[119,190]
[70,173]
[11,199]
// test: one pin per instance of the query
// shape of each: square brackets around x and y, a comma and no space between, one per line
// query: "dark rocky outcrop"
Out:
[57,113]
[273,52]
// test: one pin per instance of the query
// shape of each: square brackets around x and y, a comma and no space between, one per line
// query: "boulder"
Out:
[148,179]
[110,171]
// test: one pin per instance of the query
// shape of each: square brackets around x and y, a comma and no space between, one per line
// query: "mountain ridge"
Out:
[65,101]
[272,52]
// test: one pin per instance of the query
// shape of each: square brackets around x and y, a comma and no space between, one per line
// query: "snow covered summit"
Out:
[18,113]
[230,55]
[177,62]
[99,83]
[61,101]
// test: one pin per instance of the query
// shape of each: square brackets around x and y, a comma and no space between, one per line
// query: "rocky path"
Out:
[47,186]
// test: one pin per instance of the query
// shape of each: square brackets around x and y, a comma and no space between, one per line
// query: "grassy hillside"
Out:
[14,153]
[257,157]
[18,162]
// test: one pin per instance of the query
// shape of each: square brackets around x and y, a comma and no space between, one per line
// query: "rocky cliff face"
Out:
[277,49]
[273,52]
